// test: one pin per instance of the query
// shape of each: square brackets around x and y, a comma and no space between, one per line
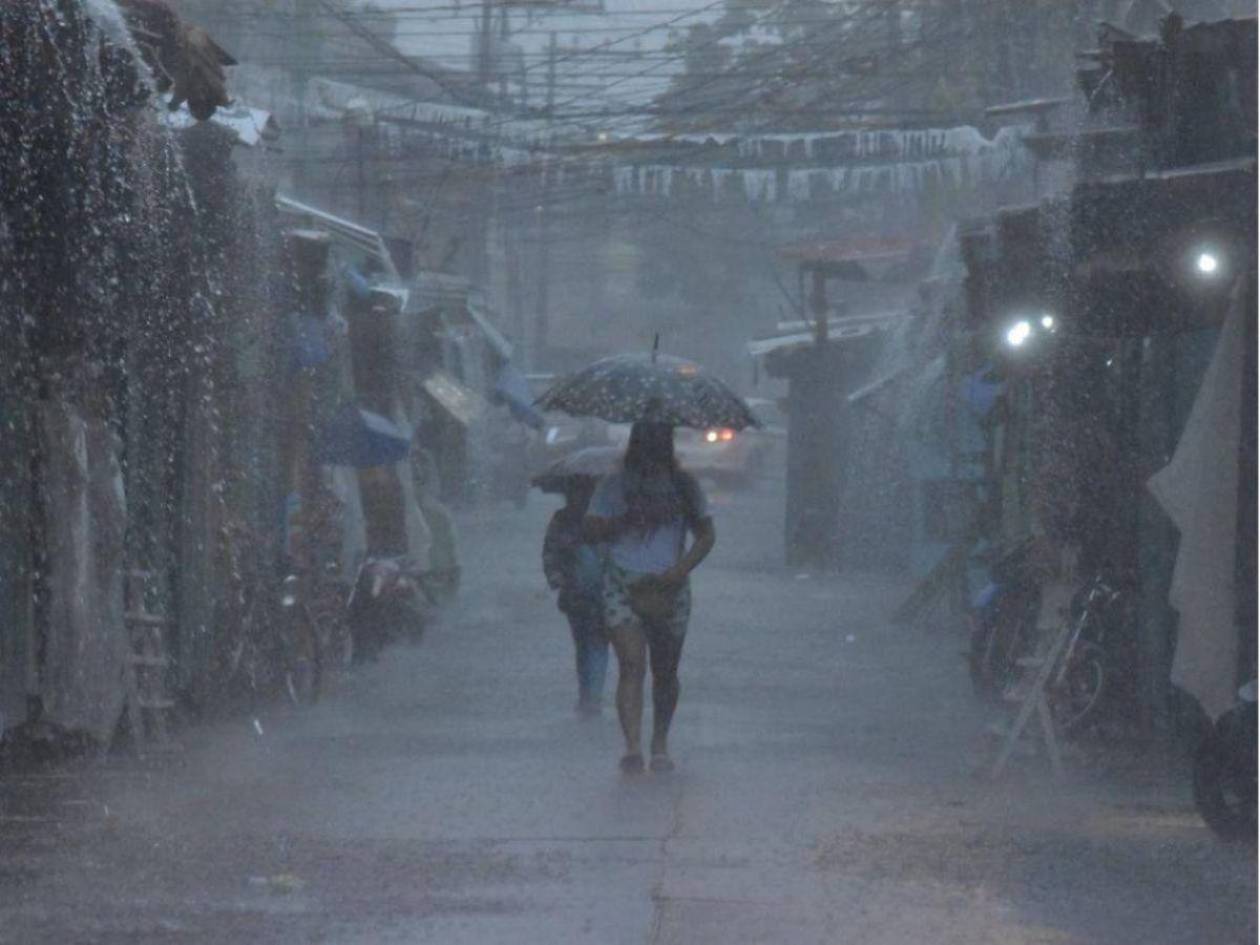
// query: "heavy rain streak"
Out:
[628,472]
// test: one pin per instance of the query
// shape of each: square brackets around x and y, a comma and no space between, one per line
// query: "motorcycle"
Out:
[387,602]
[1225,771]
[1080,683]
[1003,622]
[1005,636]
[301,654]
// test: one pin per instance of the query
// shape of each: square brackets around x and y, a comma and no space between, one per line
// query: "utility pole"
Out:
[487,200]
[504,34]
[544,216]
[485,43]
[360,181]
[304,42]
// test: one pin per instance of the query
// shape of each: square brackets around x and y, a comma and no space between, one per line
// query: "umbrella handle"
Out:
[656,345]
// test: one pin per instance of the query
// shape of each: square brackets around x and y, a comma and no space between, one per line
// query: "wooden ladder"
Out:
[1034,702]
[148,703]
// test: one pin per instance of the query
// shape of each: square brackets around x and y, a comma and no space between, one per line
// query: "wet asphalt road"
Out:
[826,793]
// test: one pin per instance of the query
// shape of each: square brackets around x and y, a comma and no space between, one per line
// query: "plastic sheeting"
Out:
[1199,491]
[344,484]
[83,677]
[419,532]
[513,389]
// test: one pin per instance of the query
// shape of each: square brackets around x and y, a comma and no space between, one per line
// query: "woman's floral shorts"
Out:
[618,612]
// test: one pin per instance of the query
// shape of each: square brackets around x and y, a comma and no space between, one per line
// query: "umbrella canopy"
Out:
[362,439]
[592,462]
[630,387]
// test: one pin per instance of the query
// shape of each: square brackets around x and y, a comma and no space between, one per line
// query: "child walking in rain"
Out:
[575,569]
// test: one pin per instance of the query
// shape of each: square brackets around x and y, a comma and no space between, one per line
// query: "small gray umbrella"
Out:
[626,388]
[592,462]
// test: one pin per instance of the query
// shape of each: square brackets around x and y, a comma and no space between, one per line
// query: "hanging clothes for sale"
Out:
[1199,491]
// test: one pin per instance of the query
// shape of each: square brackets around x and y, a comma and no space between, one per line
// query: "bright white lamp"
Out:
[1018,333]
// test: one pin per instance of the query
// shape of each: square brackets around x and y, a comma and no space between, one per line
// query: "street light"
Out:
[1047,322]
[1018,333]
[1207,263]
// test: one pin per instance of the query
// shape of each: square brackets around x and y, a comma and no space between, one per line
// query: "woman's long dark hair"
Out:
[651,445]
[651,491]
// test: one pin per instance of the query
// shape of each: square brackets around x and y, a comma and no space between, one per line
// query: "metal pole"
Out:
[818,301]
[305,54]
[485,46]
[1245,539]
[360,181]
[544,219]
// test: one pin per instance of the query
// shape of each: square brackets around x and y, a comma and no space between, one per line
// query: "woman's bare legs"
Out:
[665,649]
[631,649]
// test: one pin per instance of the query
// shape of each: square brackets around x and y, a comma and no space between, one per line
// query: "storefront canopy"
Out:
[796,335]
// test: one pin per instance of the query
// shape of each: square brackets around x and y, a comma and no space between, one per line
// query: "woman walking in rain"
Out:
[574,567]
[644,513]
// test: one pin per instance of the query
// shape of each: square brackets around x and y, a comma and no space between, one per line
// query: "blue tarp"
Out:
[310,341]
[512,389]
[980,392]
[361,439]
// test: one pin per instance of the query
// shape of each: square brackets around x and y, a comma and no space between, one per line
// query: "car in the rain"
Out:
[731,456]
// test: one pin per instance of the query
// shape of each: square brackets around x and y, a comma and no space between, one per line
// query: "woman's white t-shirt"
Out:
[656,550]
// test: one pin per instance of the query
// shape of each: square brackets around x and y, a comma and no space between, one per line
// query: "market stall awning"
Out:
[430,288]
[885,384]
[359,238]
[802,334]
[456,298]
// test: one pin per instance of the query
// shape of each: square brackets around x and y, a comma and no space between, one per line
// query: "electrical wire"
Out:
[739,73]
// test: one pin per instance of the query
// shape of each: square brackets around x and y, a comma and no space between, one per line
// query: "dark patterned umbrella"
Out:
[656,387]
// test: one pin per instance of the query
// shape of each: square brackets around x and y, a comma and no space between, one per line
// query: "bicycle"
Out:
[1081,678]
[1081,682]
[276,643]
[391,598]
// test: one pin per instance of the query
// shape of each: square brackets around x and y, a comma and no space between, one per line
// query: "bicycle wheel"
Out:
[336,645]
[1077,698]
[249,670]
[303,656]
